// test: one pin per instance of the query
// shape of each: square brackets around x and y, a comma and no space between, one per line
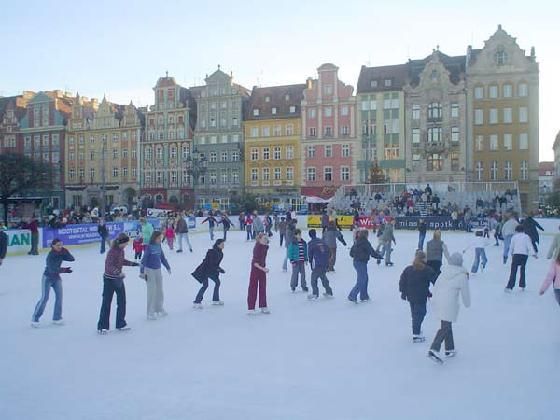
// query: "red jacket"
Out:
[137,245]
[114,263]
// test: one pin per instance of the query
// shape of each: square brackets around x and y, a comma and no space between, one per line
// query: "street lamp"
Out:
[197,165]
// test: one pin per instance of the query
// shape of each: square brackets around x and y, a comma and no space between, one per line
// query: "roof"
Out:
[279,97]
[556,141]
[372,79]
[456,66]
[165,82]
[545,167]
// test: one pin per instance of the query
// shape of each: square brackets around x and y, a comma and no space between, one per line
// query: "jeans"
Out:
[518,260]
[225,233]
[332,258]
[211,230]
[154,285]
[110,287]
[285,264]
[387,250]
[535,247]
[282,238]
[34,243]
[320,273]
[361,282]
[479,255]
[418,312]
[104,240]
[445,333]
[180,237]
[46,285]
[507,243]
[249,229]
[216,294]
[298,268]
[421,239]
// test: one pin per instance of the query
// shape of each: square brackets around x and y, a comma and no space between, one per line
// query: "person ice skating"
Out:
[290,233]
[147,230]
[388,239]
[169,235]
[138,247]
[479,243]
[211,224]
[554,249]
[210,269]
[257,278]
[324,221]
[521,247]
[150,269]
[249,226]
[531,225]
[226,224]
[435,251]
[508,230]
[113,283]
[104,234]
[297,254]
[422,227]
[331,235]
[268,224]
[3,244]
[452,282]
[414,286]
[182,230]
[361,251]
[241,220]
[318,254]
[498,231]
[258,225]
[33,226]
[552,278]
[51,278]
[282,230]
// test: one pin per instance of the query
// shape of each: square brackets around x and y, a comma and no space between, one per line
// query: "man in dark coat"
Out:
[530,225]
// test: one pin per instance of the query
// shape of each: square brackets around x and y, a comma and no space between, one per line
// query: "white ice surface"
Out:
[307,360]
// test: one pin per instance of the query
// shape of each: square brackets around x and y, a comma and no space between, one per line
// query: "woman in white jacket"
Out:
[452,281]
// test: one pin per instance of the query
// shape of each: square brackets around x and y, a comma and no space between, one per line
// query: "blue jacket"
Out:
[54,261]
[293,250]
[318,253]
[153,258]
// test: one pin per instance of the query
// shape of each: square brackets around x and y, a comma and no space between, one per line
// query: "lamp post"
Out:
[197,165]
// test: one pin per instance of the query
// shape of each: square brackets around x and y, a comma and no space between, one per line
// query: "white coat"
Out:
[452,281]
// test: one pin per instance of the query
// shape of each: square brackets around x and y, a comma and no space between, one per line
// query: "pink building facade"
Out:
[328,134]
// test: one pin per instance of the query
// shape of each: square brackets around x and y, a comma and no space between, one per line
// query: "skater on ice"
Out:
[435,251]
[257,278]
[361,251]
[331,235]
[297,253]
[521,247]
[182,230]
[318,254]
[478,244]
[150,269]
[212,221]
[210,269]
[552,278]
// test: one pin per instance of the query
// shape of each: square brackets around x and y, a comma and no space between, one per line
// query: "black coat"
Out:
[102,230]
[210,266]
[362,250]
[530,225]
[3,245]
[414,285]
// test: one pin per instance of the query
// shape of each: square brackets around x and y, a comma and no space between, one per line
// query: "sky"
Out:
[119,48]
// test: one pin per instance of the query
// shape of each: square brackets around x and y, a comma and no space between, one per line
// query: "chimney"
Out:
[309,83]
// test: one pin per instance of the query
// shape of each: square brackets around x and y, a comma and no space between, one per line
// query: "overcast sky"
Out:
[120,48]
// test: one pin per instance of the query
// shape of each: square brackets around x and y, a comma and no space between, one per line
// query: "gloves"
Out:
[403,296]
[65,270]
[221,270]
[429,295]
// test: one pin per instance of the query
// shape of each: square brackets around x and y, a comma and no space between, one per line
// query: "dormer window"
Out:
[273,111]
[388,82]
[267,98]
[373,83]
[501,57]
[292,109]
[287,97]
[256,112]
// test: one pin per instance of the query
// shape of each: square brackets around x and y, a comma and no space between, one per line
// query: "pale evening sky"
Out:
[120,48]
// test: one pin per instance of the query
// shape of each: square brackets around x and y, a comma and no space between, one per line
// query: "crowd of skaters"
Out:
[448,283]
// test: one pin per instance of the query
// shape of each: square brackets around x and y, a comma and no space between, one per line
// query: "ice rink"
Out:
[307,360]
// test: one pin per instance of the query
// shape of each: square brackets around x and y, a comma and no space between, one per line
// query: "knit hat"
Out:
[456,259]
[312,233]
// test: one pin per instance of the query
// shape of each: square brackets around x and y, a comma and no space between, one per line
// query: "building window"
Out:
[310,151]
[501,57]
[277,153]
[391,153]
[312,132]
[388,82]
[254,174]
[311,174]
[507,141]
[328,151]
[289,152]
[523,117]
[493,116]
[266,174]
[277,130]
[289,173]
[115,172]
[344,173]
[493,91]
[213,157]
[328,131]
[373,83]
[224,177]
[224,157]
[133,172]
[235,156]
[434,134]
[434,111]
[479,170]
[479,116]
[224,138]
[328,111]
[312,113]
[435,162]
[494,170]
[289,130]
[159,153]
[523,141]
[254,153]
[213,178]
[493,142]
[72,174]
[479,92]
[344,130]
[292,109]
[507,116]
[344,110]
[507,91]
[256,112]
[328,89]
[277,174]
[524,170]
[266,153]
[345,150]
[455,134]
[415,112]
[415,135]
[416,157]
[234,177]
[522,90]
[92,155]
[365,105]
[327,173]
[254,131]
[92,174]
[133,154]
[454,110]
[454,156]
[507,170]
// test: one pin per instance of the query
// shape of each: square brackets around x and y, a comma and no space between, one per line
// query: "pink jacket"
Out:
[553,276]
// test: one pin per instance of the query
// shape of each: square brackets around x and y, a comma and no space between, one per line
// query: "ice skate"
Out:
[35,324]
[450,353]
[125,328]
[312,297]
[265,311]
[151,317]
[58,322]
[328,295]
[161,314]
[252,312]
[418,338]
[102,331]
[218,303]
[508,290]
[435,356]
[197,306]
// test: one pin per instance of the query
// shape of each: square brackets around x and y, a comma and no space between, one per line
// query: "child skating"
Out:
[297,254]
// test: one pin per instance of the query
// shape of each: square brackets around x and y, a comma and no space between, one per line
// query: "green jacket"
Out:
[293,251]
[147,230]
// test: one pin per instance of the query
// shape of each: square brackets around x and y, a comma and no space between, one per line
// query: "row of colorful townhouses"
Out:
[473,117]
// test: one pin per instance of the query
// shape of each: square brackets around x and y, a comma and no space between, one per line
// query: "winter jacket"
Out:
[331,235]
[259,255]
[258,224]
[422,227]
[294,251]
[521,244]
[362,250]
[102,230]
[210,266]
[554,247]
[414,284]
[182,226]
[282,227]
[531,226]
[451,282]
[3,245]
[114,263]
[508,228]
[388,235]
[318,253]
[54,261]
[169,233]
[226,223]
[147,230]
[552,277]
[153,258]
[138,245]
[211,221]
[324,220]
[33,226]
[435,249]
[290,231]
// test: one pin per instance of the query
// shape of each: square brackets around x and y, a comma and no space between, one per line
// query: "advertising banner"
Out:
[157,213]
[19,241]
[313,222]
